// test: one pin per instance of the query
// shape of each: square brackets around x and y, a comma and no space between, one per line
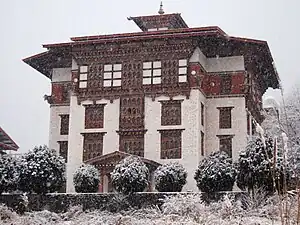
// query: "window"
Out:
[226,144]
[64,124]
[202,143]
[83,76]
[171,112]
[225,117]
[202,114]
[226,84]
[63,150]
[170,144]
[94,116]
[92,145]
[152,72]
[112,76]
[182,71]
[132,142]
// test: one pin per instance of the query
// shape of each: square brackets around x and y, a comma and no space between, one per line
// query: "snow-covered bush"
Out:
[254,166]
[86,179]
[215,173]
[130,175]
[41,171]
[8,173]
[170,177]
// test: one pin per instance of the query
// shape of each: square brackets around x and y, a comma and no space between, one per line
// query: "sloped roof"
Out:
[6,143]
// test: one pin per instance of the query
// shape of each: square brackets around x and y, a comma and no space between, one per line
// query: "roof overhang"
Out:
[6,143]
[212,41]
[46,61]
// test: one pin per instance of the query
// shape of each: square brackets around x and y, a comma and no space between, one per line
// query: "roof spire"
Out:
[161,10]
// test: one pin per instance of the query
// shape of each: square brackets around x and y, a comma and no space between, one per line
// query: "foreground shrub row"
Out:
[178,209]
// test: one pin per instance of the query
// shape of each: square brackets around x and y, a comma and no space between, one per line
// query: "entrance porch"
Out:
[106,164]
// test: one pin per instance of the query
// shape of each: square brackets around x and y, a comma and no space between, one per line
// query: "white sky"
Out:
[26,25]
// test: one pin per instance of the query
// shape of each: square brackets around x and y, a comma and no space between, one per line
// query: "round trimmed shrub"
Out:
[215,173]
[170,177]
[41,171]
[86,179]
[130,175]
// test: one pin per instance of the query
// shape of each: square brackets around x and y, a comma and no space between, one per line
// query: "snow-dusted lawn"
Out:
[176,210]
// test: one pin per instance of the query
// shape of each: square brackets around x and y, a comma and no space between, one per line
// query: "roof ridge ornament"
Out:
[161,10]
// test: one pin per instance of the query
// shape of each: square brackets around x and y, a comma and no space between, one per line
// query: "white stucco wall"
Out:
[54,128]
[191,109]
[239,124]
[61,74]
[75,145]
[218,64]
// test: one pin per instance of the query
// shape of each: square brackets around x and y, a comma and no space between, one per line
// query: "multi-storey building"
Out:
[167,93]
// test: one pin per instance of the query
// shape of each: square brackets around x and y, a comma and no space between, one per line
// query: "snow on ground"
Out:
[176,210]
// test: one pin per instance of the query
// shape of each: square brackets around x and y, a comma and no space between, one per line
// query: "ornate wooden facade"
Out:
[170,142]
[225,143]
[171,112]
[63,149]
[225,117]
[94,116]
[92,145]
[64,124]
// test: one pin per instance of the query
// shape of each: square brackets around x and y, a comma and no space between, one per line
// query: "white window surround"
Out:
[83,76]
[152,72]
[112,76]
[182,70]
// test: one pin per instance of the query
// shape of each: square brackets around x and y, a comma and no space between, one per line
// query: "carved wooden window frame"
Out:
[171,144]
[226,84]
[225,120]
[171,112]
[92,145]
[225,144]
[83,76]
[64,124]
[112,75]
[182,70]
[202,114]
[152,72]
[63,149]
[132,142]
[202,143]
[94,116]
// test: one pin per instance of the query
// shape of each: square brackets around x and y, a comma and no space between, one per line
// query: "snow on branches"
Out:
[215,173]
[8,173]
[41,171]
[86,179]
[170,177]
[130,175]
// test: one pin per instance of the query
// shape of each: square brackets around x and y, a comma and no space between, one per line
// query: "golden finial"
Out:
[161,10]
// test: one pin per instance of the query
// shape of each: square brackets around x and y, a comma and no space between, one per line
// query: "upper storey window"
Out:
[83,74]
[182,71]
[152,72]
[112,75]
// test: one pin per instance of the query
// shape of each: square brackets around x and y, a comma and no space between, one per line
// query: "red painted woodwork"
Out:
[211,84]
[238,80]
[60,93]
